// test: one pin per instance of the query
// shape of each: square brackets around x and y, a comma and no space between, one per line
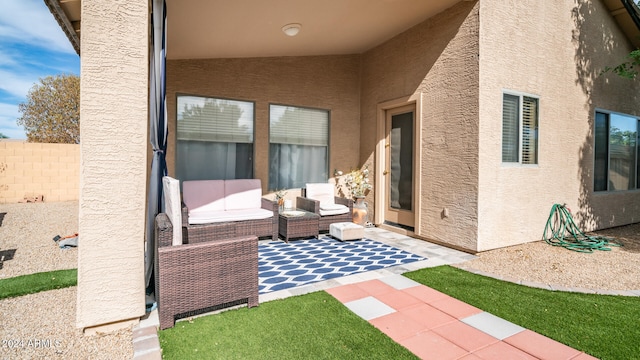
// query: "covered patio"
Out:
[355,70]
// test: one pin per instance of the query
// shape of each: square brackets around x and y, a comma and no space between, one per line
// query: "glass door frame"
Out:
[381,161]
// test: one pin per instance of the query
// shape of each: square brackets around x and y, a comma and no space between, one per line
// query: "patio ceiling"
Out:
[252,28]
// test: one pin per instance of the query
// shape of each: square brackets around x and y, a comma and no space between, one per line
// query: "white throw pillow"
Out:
[322,192]
[172,206]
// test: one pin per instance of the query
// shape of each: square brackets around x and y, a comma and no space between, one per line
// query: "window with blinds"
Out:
[510,126]
[529,130]
[214,138]
[616,152]
[519,129]
[210,119]
[299,126]
[298,146]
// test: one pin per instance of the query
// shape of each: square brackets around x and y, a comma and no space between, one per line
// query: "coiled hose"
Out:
[562,231]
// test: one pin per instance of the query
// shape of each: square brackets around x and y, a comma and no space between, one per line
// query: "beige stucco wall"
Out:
[324,82]
[113,108]
[33,169]
[554,50]
[436,60]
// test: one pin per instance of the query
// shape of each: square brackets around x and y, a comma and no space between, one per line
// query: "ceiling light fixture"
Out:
[291,29]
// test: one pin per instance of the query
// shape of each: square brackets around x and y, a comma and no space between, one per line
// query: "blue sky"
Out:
[32,46]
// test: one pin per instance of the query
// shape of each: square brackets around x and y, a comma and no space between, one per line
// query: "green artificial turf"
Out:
[603,326]
[311,326]
[33,283]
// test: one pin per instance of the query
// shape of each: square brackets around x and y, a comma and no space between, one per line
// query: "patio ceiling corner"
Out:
[67,13]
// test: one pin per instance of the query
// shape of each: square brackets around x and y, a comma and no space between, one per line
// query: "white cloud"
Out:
[29,21]
[8,115]
[32,46]
[17,84]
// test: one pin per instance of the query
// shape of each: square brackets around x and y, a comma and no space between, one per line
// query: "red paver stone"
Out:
[465,336]
[427,315]
[541,346]
[429,345]
[398,326]
[348,293]
[470,357]
[398,300]
[375,287]
[502,350]
[455,307]
[425,293]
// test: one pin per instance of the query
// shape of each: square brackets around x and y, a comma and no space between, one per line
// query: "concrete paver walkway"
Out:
[429,323]
[434,325]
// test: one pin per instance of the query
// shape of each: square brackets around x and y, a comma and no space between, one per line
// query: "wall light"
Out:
[291,29]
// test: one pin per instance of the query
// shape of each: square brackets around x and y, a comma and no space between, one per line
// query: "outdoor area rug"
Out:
[285,265]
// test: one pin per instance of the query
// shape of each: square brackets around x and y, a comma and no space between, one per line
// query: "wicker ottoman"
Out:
[346,231]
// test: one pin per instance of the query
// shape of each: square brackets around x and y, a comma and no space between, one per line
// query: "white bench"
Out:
[346,231]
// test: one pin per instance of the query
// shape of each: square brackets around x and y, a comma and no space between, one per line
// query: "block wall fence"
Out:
[28,170]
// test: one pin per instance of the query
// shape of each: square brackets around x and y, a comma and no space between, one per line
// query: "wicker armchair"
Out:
[311,205]
[204,275]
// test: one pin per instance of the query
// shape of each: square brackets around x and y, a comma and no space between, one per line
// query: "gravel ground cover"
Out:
[618,269]
[42,325]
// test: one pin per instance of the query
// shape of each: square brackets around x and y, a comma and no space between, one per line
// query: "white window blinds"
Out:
[298,126]
[510,133]
[529,130]
[216,120]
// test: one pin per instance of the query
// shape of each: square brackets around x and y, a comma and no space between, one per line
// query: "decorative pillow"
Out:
[172,206]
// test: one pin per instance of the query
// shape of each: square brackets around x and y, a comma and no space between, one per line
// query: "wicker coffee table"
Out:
[298,224]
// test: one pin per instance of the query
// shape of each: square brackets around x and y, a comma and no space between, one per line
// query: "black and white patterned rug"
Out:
[285,265]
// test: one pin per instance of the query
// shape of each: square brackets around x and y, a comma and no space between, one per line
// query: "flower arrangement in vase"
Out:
[279,195]
[356,182]
[357,185]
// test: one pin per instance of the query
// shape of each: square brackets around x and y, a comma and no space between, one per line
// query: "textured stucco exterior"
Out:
[554,50]
[437,61]
[113,107]
[323,82]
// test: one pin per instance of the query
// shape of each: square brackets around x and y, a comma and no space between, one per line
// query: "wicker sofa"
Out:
[227,208]
[204,275]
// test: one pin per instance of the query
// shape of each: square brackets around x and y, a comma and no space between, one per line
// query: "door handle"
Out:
[385,172]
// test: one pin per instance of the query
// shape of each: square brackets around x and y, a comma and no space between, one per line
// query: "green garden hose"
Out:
[562,231]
